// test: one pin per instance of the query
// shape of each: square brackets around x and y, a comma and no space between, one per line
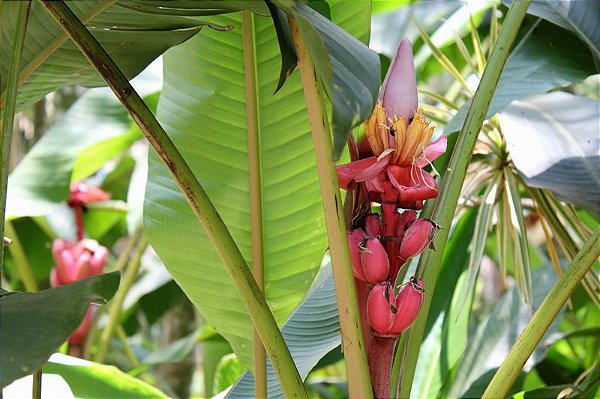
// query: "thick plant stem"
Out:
[7,113]
[353,344]
[454,178]
[256,227]
[131,273]
[207,215]
[508,372]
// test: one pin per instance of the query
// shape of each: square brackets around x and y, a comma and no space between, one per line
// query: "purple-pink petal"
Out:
[433,151]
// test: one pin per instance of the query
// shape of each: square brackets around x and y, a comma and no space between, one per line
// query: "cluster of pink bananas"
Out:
[387,168]
[372,248]
[392,174]
[78,260]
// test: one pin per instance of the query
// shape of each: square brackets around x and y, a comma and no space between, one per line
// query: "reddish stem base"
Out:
[381,356]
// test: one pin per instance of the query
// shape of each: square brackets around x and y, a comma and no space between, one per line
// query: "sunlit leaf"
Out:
[93,380]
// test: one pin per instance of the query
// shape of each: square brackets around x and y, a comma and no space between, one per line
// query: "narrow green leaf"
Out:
[35,324]
[518,227]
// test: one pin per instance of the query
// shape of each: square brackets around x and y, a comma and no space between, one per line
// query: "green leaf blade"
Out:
[35,324]
[203,110]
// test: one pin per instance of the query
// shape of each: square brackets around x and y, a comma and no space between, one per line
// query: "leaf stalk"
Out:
[7,113]
[353,344]
[454,177]
[256,214]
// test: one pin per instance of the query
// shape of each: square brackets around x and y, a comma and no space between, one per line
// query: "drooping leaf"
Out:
[553,141]
[543,60]
[94,380]
[349,71]
[580,17]
[35,324]
[133,32]
[310,333]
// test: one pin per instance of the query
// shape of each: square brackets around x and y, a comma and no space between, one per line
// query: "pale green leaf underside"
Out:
[202,107]
[311,332]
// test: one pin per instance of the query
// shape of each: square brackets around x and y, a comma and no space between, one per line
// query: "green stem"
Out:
[256,227]
[508,372]
[207,215]
[7,113]
[21,262]
[454,177]
[353,344]
[133,359]
[36,388]
[116,304]
[120,264]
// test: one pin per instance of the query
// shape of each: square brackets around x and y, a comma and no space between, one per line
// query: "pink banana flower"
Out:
[399,138]
[82,193]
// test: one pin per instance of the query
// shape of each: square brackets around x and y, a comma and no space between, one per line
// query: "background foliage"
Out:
[530,202]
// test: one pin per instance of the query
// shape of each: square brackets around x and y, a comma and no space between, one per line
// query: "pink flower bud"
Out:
[374,261]
[82,193]
[416,238]
[389,314]
[399,90]
[355,237]
[76,261]
[373,225]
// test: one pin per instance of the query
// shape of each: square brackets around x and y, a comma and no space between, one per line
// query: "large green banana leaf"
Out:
[202,107]
[133,32]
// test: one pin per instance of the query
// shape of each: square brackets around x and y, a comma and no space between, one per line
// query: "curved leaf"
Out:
[311,332]
[35,324]
[202,108]
[348,69]
[553,141]
[132,37]
[545,59]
